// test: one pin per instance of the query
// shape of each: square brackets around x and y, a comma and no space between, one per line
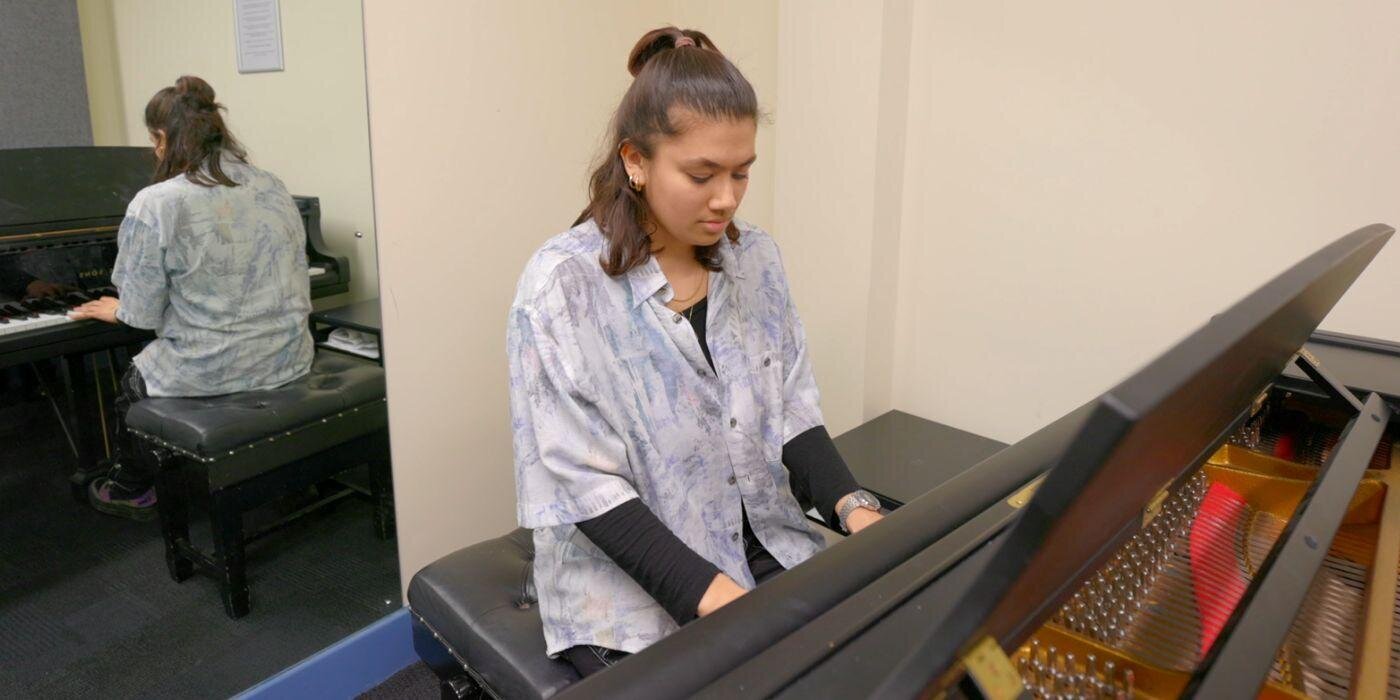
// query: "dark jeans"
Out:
[130,471]
[588,659]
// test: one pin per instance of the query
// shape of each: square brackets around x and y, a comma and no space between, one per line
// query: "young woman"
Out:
[213,259]
[665,417]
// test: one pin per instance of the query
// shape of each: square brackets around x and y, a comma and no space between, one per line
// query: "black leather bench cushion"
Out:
[481,601]
[210,426]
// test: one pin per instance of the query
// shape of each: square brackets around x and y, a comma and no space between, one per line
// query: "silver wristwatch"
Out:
[857,499]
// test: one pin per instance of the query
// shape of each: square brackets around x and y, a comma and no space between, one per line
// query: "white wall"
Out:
[307,124]
[828,127]
[989,212]
[1087,182]
[484,119]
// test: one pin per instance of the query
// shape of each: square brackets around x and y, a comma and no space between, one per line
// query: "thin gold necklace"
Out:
[704,282]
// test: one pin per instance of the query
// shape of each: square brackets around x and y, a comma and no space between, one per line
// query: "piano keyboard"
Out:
[33,314]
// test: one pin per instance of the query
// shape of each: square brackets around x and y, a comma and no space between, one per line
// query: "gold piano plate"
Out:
[1136,628]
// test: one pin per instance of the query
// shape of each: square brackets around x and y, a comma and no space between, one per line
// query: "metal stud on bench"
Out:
[253,447]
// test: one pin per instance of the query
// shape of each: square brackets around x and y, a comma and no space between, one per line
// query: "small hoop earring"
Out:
[632,180]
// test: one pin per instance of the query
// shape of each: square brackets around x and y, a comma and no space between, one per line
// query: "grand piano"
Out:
[60,209]
[1224,523]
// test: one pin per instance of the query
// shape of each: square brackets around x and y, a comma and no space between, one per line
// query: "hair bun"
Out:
[196,93]
[664,39]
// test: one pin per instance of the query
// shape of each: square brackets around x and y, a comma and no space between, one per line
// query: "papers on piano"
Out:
[353,342]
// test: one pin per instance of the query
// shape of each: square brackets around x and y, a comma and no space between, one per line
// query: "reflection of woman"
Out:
[663,404]
[212,258]
[19,283]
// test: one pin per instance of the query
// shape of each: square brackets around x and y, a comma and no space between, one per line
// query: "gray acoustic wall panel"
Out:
[43,92]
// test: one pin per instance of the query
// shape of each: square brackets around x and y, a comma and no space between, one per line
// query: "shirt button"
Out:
[733,422]
[731,481]
[700,372]
[677,318]
[734,537]
[767,361]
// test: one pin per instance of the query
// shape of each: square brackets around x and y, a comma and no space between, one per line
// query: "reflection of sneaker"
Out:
[111,499]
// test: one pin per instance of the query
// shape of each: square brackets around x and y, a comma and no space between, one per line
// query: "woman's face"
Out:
[695,180]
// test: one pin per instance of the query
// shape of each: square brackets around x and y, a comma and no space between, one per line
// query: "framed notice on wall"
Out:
[257,27]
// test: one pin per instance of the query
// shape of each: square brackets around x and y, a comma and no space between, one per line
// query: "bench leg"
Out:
[226,520]
[173,506]
[381,488]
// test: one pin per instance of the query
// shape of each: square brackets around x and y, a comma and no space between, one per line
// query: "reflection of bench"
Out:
[253,447]
[477,625]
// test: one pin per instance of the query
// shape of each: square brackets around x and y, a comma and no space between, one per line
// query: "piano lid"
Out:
[56,189]
[1141,436]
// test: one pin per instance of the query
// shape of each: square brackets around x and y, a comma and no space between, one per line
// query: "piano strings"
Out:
[1145,620]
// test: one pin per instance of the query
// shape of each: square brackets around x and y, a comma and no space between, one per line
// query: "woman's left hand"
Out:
[104,309]
[861,518]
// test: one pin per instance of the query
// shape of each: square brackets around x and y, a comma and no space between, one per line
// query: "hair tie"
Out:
[684,41]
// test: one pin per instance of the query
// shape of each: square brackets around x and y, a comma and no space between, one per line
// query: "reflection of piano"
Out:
[60,209]
[59,213]
[1209,527]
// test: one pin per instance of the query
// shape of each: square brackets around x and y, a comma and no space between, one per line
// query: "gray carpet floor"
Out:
[87,609]
[416,682]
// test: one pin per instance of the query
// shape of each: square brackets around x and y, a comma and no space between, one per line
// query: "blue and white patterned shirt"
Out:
[220,274]
[612,399]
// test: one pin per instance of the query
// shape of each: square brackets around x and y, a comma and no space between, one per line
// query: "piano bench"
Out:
[476,622]
[250,448]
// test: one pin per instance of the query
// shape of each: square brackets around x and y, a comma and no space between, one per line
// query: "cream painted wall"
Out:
[825,193]
[307,124]
[1086,182]
[843,73]
[484,119]
[104,84]
[989,213]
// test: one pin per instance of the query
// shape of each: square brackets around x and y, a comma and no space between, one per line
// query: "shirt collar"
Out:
[728,259]
[647,279]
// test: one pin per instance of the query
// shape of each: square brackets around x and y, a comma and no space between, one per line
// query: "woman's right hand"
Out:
[721,592]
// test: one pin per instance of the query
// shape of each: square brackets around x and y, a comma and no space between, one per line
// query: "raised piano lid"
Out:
[1109,458]
[1141,436]
[48,190]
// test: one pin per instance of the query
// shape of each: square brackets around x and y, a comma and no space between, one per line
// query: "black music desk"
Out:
[899,457]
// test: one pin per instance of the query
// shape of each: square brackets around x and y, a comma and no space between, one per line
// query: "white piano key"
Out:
[19,325]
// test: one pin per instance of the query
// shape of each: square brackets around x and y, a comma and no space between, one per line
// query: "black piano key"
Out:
[17,311]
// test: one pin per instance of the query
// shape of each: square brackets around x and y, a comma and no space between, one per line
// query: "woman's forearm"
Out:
[819,471]
[664,566]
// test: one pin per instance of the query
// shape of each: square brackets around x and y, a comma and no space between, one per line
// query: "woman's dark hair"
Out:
[195,134]
[694,76]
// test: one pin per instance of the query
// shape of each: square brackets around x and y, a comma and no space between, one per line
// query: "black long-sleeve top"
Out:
[638,542]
